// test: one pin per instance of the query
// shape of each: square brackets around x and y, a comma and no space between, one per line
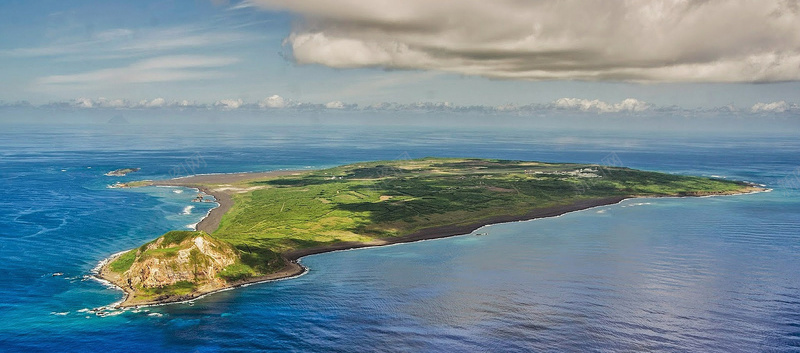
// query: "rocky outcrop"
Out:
[197,259]
[177,264]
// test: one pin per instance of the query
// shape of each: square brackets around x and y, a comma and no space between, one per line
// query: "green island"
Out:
[267,221]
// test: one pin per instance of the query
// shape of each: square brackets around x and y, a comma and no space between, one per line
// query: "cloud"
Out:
[124,42]
[103,102]
[627,105]
[340,105]
[155,103]
[100,103]
[643,41]
[774,107]
[229,104]
[183,103]
[240,6]
[274,101]
[180,38]
[84,103]
[159,69]
[334,105]
[112,103]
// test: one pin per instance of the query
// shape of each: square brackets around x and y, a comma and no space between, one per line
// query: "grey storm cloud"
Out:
[625,40]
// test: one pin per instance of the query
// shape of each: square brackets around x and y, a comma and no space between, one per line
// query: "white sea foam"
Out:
[187,210]
[193,226]
[177,191]
[109,313]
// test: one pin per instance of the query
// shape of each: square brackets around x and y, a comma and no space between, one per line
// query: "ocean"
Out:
[715,274]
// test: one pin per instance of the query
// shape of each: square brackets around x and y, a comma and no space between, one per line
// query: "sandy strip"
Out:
[223,196]
[225,178]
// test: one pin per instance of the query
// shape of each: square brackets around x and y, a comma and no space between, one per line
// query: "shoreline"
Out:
[293,268]
[210,222]
[456,230]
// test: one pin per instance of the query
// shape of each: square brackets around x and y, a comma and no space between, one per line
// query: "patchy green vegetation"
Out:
[177,289]
[123,262]
[368,201]
[176,237]
[176,265]
[164,250]
[237,272]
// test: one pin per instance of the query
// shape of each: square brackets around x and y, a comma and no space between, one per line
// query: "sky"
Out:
[602,56]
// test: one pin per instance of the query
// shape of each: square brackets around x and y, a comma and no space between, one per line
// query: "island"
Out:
[266,222]
[122,171]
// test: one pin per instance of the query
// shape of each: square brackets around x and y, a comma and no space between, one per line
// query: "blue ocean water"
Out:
[715,274]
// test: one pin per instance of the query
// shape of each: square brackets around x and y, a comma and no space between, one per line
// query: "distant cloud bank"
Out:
[629,106]
[638,41]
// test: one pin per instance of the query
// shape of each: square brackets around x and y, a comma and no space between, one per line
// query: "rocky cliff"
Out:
[176,265]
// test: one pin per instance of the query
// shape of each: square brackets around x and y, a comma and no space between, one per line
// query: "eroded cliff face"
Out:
[197,259]
[179,264]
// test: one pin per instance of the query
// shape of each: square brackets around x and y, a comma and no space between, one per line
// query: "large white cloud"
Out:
[631,40]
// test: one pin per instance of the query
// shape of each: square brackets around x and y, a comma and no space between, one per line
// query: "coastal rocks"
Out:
[201,198]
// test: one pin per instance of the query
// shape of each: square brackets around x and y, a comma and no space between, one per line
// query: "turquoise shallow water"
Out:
[697,274]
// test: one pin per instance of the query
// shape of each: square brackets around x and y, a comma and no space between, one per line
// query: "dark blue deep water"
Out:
[717,274]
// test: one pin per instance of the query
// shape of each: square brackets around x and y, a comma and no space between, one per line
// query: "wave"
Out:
[187,210]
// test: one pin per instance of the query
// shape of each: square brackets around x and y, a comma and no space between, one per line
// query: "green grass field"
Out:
[367,201]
